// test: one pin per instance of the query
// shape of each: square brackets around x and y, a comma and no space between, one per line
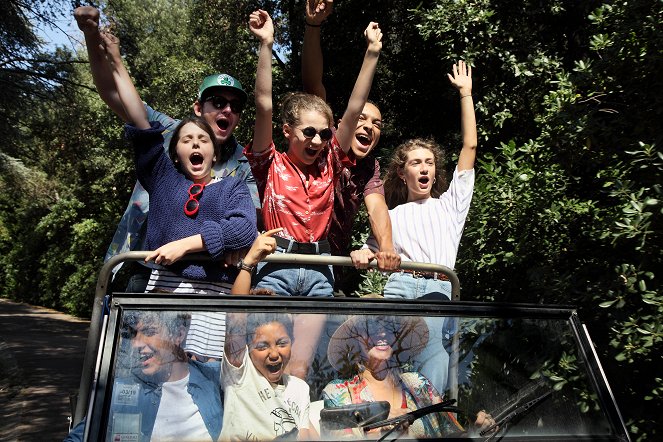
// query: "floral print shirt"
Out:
[418,392]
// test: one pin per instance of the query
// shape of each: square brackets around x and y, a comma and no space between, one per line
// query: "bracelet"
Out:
[313,26]
[463,96]
[243,266]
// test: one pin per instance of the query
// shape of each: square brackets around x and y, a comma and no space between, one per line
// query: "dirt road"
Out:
[40,364]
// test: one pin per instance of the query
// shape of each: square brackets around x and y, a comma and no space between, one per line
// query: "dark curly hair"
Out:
[171,321]
[258,319]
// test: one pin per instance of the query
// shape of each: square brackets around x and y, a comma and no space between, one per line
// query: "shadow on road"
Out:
[42,354]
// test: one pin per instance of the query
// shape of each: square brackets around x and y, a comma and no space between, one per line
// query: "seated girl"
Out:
[262,402]
[371,352]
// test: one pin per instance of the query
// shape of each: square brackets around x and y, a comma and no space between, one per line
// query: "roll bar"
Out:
[97,323]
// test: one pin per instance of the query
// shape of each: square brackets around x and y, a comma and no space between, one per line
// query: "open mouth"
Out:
[311,152]
[382,345]
[274,368]
[196,159]
[144,357]
[222,123]
[423,180]
[363,140]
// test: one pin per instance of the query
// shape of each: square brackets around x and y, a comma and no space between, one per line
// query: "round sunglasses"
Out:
[311,132]
[220,102]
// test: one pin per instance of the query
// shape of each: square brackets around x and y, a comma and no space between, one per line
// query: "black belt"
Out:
[305,248]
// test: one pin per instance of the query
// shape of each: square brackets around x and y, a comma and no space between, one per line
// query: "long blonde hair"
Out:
[395,190]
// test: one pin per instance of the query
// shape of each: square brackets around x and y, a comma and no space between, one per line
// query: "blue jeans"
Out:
[405,286]
[433,361]
[288,280]
[139,279]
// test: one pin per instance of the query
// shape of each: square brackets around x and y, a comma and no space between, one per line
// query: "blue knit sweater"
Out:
[226,218]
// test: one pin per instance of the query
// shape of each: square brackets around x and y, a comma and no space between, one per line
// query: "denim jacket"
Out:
[205,390]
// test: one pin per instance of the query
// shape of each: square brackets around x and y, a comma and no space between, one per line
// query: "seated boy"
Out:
[165,396]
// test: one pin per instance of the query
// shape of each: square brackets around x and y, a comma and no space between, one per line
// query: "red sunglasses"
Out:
[192,205]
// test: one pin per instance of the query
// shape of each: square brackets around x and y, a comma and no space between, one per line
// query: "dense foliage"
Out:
[567,206]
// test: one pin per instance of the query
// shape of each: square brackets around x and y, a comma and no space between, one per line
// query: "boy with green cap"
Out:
[221,99]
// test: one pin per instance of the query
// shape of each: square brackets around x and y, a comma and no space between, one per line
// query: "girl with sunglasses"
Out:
[297,187]
[189,211]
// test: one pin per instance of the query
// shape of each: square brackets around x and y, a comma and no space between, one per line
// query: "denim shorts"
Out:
[292,280]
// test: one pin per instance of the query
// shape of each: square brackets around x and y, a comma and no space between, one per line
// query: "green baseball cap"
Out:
[221,81]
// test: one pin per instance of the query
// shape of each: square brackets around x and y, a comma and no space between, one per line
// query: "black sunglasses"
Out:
[220,102]
[310,132]
[191,206]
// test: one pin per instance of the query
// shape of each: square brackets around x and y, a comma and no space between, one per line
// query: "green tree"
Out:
[28,73]
[570,101]
[567,204]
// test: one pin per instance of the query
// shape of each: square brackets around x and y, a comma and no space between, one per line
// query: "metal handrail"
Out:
[93,342]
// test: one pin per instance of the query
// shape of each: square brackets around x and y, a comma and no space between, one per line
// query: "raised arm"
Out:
[348,124]
[235,342]
[87,18]
[462,80]
[129,98]
[262,27]
[316,13]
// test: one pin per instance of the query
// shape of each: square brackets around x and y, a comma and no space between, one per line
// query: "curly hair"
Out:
[258,319]
[294,103]
[395,190]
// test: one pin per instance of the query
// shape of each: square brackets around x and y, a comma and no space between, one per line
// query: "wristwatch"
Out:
[243,266]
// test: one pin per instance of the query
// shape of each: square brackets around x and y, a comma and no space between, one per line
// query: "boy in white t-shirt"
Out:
[261,401]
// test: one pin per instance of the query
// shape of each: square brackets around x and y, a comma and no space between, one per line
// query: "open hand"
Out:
[462,77]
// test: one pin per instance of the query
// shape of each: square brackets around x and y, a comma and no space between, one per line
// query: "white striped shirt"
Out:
[165,281]
[207,331]
[207,334]
[429,230]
